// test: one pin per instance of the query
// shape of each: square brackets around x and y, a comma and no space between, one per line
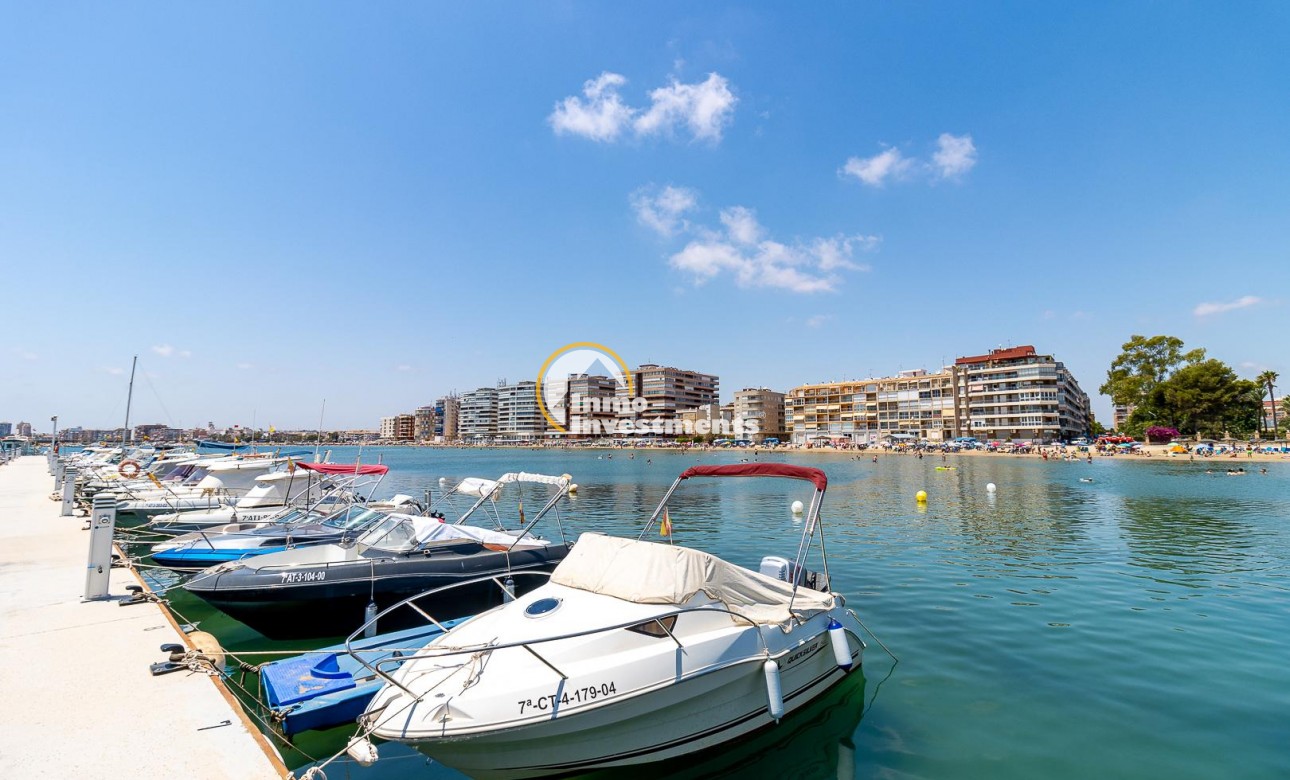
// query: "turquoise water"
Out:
[1134,626]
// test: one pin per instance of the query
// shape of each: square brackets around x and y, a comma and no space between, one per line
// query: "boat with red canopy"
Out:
[634,651]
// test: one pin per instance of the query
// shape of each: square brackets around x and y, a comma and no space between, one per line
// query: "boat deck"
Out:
[80,701]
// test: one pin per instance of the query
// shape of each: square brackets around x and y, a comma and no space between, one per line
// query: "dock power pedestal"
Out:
[102,525]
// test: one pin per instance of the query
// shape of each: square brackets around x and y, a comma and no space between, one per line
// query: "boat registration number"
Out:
[303,576]
[575,696]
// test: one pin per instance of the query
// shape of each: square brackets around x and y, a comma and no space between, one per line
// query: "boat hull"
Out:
[694,715]
[317,601]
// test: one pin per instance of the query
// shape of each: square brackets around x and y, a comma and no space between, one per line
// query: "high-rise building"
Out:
[24,429]
[387,427]
[447,411]
[519,419]
[761,406]
[404,427]
[423,430]
[6,429]
[1016,394]
[911,406]
[591,405]
[669,391]
[1120,415]
[477,422]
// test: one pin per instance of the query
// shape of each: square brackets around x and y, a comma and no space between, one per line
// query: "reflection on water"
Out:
[813,743]
[1131,626]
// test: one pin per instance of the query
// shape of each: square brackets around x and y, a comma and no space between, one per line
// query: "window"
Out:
[659,628]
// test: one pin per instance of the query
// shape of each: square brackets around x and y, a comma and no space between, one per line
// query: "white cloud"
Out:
[955,155]
[165,350]
[663,210]
[403,367]
[704,108]
[601,118]
[25,354]
[741,250]
[1245,301]
[245,366]
[875,170]
[818,320]
[114,371]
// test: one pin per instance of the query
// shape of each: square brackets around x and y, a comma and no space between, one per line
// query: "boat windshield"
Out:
[197,476]
[393,533]
[353,517]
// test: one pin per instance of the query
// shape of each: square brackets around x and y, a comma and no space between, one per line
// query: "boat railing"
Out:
[380,667]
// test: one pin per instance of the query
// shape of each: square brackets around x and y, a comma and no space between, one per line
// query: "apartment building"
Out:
[912,406]
[762,406]
[426,418]
[447,410]
[590,405]
[519,420]
[477,422]
[1016,394]
[387,427]
[669,391]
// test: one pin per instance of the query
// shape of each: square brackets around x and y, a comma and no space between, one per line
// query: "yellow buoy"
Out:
[921,496]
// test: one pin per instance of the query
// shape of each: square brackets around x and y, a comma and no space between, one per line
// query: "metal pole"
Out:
[69,492]
[99,570]
[129,398]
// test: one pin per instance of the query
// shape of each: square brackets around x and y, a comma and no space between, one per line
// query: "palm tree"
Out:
[1268,379]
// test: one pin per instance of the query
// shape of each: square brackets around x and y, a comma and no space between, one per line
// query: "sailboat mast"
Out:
[129,398]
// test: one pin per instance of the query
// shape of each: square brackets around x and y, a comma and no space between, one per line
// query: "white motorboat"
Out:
[224,482]
[633,652]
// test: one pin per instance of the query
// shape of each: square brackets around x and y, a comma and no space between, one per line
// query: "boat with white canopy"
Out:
[632,652]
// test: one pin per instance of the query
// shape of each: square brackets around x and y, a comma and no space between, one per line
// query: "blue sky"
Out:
[273,204]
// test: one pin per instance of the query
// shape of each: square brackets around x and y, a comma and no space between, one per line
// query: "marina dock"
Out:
[80,701]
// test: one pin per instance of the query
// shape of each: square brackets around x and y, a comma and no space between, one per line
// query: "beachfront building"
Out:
[1015,394]
[519,420]
[709,419]
[24,429]
[6,429]
[387,427]
[590,405]
[477,423]
[1120,415]
[762,406]
[668,391]
[910,407]
[423,429]
[446,410]
[404,427]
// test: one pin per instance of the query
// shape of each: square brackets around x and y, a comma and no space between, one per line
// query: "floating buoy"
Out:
[841,647]
[363,751]
[573,489]
[989,487]
[797,507]
[773,693]
[369,618]
[921,496]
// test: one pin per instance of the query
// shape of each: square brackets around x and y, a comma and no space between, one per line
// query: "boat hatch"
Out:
[542,607]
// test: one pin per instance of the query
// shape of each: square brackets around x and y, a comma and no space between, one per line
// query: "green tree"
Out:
[1210,399]
[1137,377]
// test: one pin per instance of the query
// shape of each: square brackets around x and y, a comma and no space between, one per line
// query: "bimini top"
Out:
[653,573]
[814,476]
[344,468]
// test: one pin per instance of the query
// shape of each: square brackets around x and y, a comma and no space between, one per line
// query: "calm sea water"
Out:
[1133,626]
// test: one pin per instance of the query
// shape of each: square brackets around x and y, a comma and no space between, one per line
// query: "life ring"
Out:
[128,469]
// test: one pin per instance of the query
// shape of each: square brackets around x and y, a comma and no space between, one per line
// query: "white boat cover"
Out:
[475,486]
[542,479]
[653,573]
[430,530]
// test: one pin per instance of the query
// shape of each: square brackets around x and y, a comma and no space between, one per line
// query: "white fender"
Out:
[773,692]
[841,647]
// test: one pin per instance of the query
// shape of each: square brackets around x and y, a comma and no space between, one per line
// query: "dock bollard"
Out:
[69,492]
[102,525]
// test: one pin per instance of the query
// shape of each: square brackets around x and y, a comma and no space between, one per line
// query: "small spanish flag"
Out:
[665,525]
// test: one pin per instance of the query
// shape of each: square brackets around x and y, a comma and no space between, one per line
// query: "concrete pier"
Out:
[78,700]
